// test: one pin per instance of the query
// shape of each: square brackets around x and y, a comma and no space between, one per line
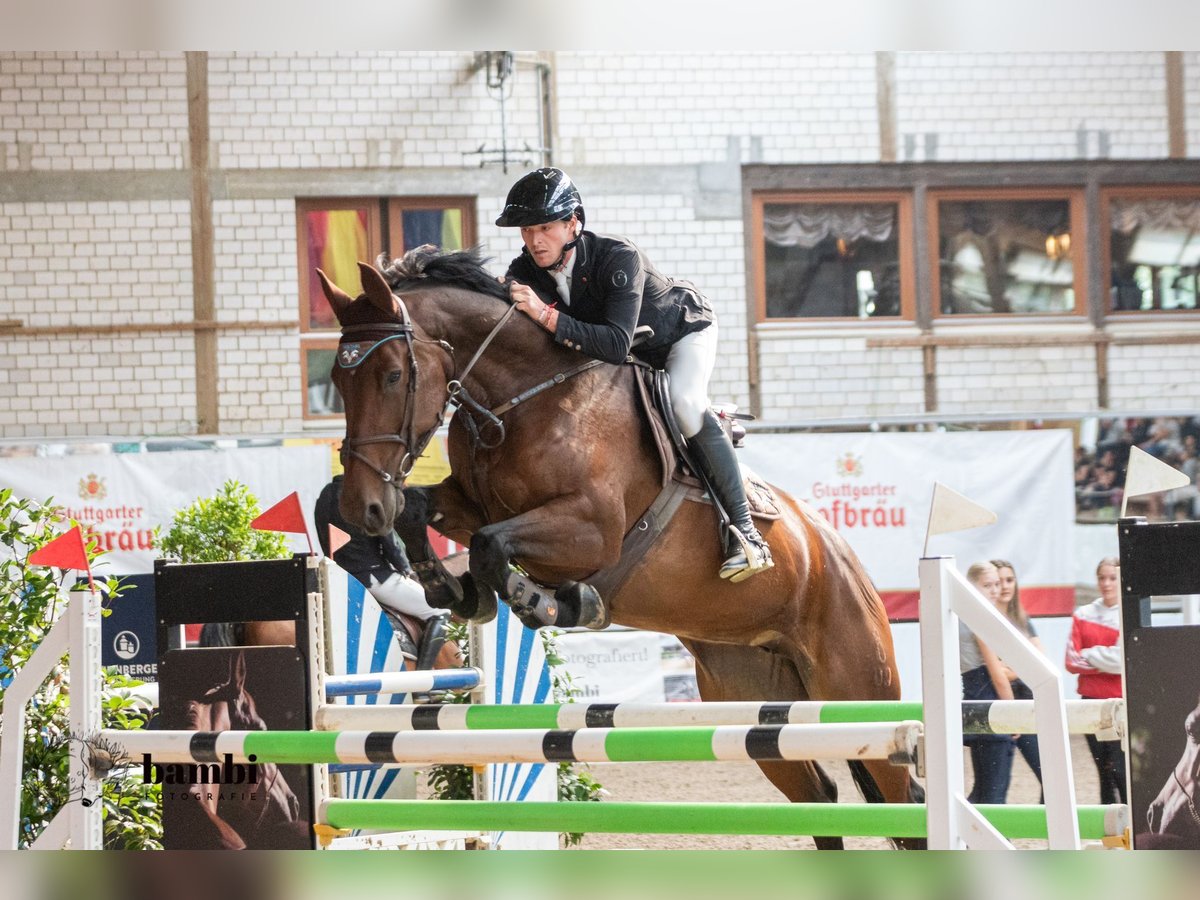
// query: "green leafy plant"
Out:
[32,600]
[575,781]
[217,529]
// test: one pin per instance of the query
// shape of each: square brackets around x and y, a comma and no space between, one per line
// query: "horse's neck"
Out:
[518,356]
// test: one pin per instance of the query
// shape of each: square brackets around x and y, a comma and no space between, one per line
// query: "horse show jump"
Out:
[383,735]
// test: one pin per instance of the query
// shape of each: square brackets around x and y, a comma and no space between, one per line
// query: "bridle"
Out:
[351,354]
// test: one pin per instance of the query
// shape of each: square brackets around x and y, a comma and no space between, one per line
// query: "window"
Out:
[334,235]
[1007,252]
[1153,250]
[834,256]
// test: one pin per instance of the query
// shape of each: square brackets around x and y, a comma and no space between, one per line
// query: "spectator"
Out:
[1010,605]
[1094,654]
[985,677]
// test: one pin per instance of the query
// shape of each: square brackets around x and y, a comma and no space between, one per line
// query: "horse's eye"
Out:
[394,377]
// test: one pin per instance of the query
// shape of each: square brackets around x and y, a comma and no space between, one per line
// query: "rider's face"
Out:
[545,242]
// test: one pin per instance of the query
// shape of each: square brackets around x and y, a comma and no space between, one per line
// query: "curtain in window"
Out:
[1163,215]
[806,225]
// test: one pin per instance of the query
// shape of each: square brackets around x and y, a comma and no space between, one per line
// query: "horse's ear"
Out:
[337,298]
[377,290]
[238,673]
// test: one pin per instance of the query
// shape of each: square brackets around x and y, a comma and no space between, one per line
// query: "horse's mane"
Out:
[426,265]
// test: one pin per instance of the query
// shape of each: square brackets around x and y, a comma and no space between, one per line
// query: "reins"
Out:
[351,355]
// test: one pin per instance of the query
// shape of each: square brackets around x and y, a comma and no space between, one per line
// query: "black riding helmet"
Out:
[544,195]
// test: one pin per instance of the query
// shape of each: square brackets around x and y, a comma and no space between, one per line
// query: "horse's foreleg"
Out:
[557,554]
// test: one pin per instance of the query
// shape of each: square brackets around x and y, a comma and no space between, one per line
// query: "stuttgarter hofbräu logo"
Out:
[849,465]
[92,487]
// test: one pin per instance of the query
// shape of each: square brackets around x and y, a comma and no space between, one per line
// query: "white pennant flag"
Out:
[951,511]
[1148,475]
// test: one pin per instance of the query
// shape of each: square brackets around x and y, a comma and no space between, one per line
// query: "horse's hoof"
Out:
[477,605]
[581,606]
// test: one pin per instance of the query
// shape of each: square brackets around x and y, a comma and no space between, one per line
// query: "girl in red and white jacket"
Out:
[1094,654]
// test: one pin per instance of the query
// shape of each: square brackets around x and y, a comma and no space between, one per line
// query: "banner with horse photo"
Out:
[876,489]
[215,803]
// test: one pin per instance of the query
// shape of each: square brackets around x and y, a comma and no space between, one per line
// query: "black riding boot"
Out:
[433,638]
[748,553]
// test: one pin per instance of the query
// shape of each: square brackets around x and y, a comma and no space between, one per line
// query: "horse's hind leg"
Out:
[733,672]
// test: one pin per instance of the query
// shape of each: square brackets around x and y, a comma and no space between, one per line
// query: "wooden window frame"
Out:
[327,341]
[317,204]
[397,206]
[905,254]
[1135,192]
[1074,196]
[385,229]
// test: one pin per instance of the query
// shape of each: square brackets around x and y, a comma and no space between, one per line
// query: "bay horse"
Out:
[1173,817]
[554,483]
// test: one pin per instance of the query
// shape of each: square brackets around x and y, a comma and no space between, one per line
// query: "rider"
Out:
[591,291]
[382,566]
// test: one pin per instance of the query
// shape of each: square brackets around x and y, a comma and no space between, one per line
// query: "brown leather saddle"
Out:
[679,481]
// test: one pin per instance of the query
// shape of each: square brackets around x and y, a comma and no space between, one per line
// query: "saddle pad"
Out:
[764,505]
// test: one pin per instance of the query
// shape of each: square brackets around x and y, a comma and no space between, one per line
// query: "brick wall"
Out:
[654,140]
[76,111]
[835,375]
[1016,379]
[1153,377]
[360,109]
[1004,106]
[671,108]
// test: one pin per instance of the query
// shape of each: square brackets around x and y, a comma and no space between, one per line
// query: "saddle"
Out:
[679,480]
[655,402]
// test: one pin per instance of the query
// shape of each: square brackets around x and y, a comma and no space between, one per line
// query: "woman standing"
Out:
[1094,654]
[984,678]
[1010,605]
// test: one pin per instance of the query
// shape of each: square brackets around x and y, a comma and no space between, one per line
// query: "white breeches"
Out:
[403,595]
[690,365]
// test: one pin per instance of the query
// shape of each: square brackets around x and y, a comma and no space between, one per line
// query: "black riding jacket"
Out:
[614,289]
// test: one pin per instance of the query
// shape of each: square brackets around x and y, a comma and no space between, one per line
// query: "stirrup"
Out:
[750,558]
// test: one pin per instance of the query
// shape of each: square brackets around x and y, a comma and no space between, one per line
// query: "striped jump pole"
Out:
[421,680]
[895,741]
[353,685]
[979,717]
[898,820]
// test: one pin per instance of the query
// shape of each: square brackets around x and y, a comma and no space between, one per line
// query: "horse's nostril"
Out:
[373,518]
[1154,815]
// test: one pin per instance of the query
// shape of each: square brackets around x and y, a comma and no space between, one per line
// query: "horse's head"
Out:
[392,378]
[1174,810]
[230,702]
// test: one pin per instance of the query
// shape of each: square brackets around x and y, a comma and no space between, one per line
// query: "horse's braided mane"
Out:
[427,265]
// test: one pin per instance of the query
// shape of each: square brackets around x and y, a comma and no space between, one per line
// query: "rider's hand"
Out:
[528,302]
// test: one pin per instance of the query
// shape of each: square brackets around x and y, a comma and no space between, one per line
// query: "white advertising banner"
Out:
[614,666]
[876,490]
[121,497]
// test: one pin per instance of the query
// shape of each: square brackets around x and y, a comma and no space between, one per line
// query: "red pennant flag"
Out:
[286,515]
[64,552]
[337,539]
